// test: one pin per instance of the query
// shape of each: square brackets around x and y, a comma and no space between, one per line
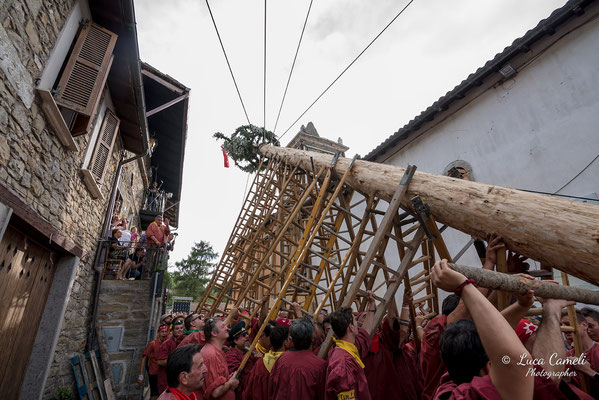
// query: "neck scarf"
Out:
[261,348]
[188,332]
[180,395]
[270,358]
[351,349]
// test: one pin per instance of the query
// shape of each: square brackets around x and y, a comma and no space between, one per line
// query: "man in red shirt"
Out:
[185,372]
[167,348]
[218,383]
[157,233]
[150,356]
[298,374]
[345,371]
[485,358]
[238,340]
[194,325]
[260,373]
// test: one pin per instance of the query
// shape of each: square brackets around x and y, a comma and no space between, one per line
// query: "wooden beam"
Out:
[167,105]
[548,229]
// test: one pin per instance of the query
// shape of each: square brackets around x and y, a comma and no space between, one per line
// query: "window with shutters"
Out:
[73,100]
[93,172]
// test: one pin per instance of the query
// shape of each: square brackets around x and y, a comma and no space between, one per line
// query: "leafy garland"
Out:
[244,143]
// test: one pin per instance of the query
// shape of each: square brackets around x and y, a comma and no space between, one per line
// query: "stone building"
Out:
[77,129]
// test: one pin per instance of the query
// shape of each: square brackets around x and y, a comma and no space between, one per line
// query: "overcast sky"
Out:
[430,48]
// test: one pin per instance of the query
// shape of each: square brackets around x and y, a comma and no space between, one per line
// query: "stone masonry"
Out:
[36,167]
[126,305]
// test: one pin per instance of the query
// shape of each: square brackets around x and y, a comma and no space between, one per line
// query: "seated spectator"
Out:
[134,264]
[185,372]
[116,251]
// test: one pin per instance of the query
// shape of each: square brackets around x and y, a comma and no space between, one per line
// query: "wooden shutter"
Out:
[104,144]
[84,75]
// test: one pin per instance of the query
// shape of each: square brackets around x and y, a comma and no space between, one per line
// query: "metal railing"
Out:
[155,201]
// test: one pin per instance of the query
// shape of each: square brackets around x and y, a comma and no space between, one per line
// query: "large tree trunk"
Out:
[561,233]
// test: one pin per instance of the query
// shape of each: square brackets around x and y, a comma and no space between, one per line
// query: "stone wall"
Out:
[36,167]
[125,305]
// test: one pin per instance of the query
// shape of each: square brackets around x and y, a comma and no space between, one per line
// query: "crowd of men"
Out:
[470,351]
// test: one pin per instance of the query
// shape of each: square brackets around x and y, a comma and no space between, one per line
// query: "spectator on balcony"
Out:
[115,249]
[134,264]
[170,244]
[134,234]
[152,196]
[157,233]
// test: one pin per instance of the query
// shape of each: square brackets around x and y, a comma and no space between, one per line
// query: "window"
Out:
[93,172]
[71,102]
[459,169]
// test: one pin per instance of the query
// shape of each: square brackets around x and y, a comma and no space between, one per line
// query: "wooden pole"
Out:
[562,233]
[513,283]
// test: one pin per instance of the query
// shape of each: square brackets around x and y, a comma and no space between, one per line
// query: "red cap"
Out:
[525,329]
[283,321]
[162,328]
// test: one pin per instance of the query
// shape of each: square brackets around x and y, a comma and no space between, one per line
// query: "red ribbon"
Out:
[225,156]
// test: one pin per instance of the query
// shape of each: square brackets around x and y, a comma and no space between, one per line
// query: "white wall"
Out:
[537,131]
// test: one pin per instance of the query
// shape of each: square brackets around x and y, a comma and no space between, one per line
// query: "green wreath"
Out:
[244,143]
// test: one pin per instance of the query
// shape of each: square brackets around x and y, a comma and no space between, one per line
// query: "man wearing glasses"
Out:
[194,326]
[239,341]
[218,383]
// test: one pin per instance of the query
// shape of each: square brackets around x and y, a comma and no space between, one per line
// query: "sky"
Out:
[425,53]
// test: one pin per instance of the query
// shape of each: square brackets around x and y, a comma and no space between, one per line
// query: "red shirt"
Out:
[166,348]
[234,358]
[259,376]
[193,338]
[430,356]
[151,353]
[345,374]
[160,233]
[482,388]
[297,375]
[218,373]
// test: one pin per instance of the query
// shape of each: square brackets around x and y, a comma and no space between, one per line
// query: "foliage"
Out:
[244,143]
[62,393]
[191,274]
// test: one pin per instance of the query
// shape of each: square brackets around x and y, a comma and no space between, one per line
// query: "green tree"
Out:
[243,145]
[191,274]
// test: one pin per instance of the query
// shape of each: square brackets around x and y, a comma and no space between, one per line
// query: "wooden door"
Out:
[26,273]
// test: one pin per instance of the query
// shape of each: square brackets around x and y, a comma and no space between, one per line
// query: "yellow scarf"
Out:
[261,348]
[270,358]
[351,349]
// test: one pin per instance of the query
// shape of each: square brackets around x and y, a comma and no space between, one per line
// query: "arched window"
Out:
[459,169]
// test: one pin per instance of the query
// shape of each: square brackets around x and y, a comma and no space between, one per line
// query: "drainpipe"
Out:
[105,227]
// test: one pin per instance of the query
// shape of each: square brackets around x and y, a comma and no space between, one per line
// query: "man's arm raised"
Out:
[497,336]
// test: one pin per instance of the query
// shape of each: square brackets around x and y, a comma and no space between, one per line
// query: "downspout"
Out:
[107,217]
[130,25]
